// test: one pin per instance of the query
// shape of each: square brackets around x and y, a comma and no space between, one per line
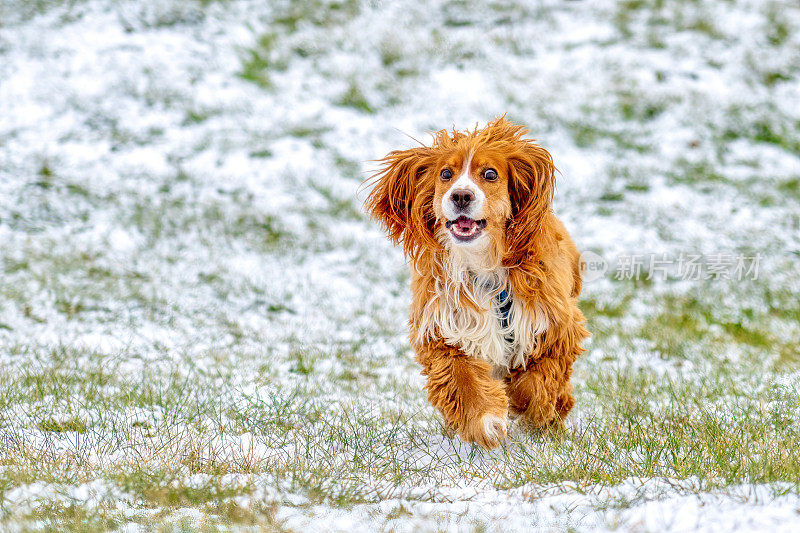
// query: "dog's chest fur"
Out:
[501,334]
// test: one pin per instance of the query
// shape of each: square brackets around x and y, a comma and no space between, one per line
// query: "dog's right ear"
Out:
[399,195]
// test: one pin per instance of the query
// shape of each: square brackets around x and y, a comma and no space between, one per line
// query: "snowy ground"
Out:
[200,327]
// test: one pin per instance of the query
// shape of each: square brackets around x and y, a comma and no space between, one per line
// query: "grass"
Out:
[640,424]
[354,98]
[239,353]
[257,64]
[316,12]
[711,430]
[16,10]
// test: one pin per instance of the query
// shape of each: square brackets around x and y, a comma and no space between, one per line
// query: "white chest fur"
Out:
[484,332]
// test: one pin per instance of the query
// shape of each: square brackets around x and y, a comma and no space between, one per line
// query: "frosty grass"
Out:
[200,328]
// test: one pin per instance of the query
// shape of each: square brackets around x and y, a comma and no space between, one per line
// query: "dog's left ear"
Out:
[531,186]
[401,196]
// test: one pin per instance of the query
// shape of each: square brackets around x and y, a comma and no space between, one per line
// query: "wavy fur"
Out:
[479,371]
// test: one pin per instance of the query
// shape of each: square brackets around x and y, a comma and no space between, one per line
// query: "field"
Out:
[200,328]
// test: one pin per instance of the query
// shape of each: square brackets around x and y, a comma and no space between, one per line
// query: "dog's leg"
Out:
[541,393]
[470,400]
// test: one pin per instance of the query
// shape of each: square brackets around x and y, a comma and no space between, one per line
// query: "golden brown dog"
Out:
[495,276]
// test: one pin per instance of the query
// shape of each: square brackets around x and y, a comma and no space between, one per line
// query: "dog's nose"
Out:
[461,199]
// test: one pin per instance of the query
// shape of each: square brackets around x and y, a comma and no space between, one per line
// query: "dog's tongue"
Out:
[464,223]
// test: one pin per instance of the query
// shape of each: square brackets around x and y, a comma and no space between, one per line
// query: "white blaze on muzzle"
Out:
[464,184]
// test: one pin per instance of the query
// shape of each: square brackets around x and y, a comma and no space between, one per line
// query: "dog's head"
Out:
[486,190]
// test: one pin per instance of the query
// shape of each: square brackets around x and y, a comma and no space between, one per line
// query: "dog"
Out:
[495,277]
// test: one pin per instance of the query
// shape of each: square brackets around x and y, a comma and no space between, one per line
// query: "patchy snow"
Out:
[162,218]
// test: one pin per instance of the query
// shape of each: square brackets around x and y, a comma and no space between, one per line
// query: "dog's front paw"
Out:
[488,431]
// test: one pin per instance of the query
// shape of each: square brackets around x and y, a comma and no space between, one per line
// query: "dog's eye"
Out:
[447,174]
[490,174]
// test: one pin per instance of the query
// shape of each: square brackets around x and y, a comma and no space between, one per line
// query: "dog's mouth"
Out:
[465,229]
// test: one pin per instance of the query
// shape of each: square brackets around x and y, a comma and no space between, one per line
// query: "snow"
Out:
[130,144]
